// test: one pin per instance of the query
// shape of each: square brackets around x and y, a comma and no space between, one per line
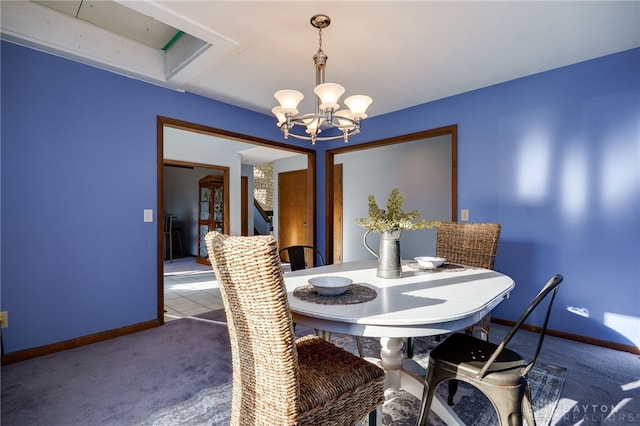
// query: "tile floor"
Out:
[190,289]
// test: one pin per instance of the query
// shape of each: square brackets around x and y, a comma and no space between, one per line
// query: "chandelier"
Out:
[327,114]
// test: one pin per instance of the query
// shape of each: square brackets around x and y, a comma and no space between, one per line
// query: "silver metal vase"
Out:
[389,264]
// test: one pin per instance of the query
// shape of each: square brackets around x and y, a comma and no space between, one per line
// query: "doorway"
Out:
[423,165]
[182,200]
[224,148]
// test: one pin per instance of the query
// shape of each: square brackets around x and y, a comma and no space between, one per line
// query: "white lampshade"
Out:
[289,100]
[313,125]
[329,94]
[344,124]
[358,105]
[277,111]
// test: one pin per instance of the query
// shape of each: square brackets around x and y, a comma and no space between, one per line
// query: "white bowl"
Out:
[330,285]
[430,262]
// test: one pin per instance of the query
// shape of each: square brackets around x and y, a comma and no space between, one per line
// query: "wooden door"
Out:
[337,213]
[295,216]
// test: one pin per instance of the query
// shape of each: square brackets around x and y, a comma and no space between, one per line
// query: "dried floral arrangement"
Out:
[393,218]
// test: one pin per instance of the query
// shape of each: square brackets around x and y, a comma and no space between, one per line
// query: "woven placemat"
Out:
[445,267]
[355,293]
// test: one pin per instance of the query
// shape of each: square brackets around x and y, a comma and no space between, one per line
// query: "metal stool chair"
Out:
[498,372]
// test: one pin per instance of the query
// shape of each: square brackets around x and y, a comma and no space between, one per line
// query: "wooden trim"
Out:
[26,354]
[454,172]
[160,220]
[451,130]
[244,205]
[329,220]
[574,337]
[239,137]
[410,137]
[311,203]
[337,200]
[191,165]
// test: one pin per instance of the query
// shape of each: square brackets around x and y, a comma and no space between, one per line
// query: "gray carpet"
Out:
[119,381]
[127,380]
[211,406]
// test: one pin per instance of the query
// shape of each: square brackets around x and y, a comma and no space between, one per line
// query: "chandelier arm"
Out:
[301,120]
[333,138]
[344,136]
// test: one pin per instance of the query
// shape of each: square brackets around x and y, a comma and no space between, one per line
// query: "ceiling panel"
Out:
[118,19]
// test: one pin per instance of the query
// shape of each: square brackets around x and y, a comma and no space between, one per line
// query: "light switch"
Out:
[148,215]
[464,215]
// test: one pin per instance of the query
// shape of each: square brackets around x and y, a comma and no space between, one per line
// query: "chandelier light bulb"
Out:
[329,94]
[358,105]
[345,119]
[313,125]
[289,100]
[277,111]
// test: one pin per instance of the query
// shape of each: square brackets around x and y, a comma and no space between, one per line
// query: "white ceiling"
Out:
[399,53]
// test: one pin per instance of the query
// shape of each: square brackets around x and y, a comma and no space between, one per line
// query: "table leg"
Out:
[326,335]
[397,377]
[391,360]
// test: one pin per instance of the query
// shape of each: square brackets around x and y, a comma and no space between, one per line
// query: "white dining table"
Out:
[420,303]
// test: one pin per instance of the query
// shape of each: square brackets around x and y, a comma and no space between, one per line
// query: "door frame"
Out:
[330,154]
[161,123]
[244,206]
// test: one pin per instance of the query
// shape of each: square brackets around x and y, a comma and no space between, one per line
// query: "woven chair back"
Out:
[264,356]
[472,244]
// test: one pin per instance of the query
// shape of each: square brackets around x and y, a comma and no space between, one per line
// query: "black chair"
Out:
[295,255]
[498,372]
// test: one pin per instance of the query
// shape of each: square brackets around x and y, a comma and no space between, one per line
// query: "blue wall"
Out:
[553,157]
[79,166]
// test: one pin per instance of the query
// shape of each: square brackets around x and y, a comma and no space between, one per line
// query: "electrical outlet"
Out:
[4,319]
[464,215]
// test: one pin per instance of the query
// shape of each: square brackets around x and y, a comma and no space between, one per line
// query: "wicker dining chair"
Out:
[498,372]
[278,380]
[470,244]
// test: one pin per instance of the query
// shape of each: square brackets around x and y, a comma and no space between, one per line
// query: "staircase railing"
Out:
[262,222]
